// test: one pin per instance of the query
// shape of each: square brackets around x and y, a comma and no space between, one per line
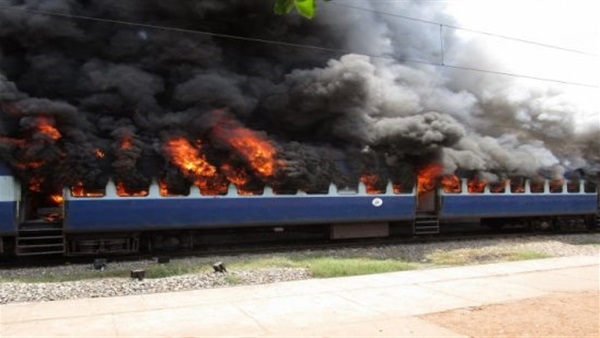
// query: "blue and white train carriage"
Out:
[109,223]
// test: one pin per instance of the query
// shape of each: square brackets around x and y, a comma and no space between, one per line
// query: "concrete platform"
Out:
[375,305]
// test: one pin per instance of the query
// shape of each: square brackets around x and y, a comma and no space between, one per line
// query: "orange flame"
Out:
[517,186]
[99,153]
[163,189]
[124,191]
[370,181]
[57,198]
[79,190]
[451,184]
[239,177]
[427,178]
[476,185]
[126,144]
[498,187]
[253,147]
[192,163]
[44,126]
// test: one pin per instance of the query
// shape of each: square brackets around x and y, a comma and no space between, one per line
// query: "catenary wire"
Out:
[285,44]
[465,29]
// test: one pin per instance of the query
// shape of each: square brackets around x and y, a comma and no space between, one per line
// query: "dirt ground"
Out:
[555,315]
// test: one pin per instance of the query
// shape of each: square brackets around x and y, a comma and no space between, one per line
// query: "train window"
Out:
[590,187]
[402,188]
[252,191]
[374,185]
[573,186]
[169,186]
[284,191]
[126,191]
[451,184]
[517,186]
[80,191]
[498,187]
[556,186]
[318,191]
[536,187]
[476,186]
[166,191]
[213,190]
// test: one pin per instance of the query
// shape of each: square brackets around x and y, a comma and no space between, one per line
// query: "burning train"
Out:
[109,220]
[150,125]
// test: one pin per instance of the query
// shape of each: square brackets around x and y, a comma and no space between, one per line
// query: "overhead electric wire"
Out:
[541,44]
[283,43]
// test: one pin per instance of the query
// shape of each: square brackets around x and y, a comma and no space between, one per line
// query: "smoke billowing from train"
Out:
[83,101]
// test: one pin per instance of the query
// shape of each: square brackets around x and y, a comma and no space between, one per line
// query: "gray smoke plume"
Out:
[117,92]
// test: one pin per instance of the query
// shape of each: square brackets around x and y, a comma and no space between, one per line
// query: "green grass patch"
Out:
[524,255]
[173,269]
[325,267]
[265,263]
[318,265]
[478,256]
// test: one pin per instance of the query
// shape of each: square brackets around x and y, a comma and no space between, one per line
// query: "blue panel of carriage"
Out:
[8,218]
[515,205]
[187,213]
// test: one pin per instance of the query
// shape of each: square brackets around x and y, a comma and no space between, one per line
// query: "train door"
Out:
[426,218]
[40,229]
[427,201]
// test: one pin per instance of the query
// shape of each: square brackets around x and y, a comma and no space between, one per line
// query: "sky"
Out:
[567,24]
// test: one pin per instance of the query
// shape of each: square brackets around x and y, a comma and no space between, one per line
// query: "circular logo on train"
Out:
[377,202]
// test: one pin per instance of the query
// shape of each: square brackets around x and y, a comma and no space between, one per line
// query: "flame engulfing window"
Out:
[452,184]
[517,185]
[125,191]
[373,184]
[498,187]
[476,185]
[80,190]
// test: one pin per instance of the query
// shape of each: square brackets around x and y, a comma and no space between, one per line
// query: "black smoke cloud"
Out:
[331,117]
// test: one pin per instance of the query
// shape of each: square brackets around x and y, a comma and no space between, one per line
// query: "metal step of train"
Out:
[426,224]
[40,238]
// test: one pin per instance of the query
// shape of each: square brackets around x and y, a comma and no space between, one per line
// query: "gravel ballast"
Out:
[488,249]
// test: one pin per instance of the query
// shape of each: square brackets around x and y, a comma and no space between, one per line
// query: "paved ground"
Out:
[376,305]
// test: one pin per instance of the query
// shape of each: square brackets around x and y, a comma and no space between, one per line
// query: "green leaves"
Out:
[306,8]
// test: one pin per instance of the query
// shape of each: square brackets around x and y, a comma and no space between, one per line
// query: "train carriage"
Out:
[105,221]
